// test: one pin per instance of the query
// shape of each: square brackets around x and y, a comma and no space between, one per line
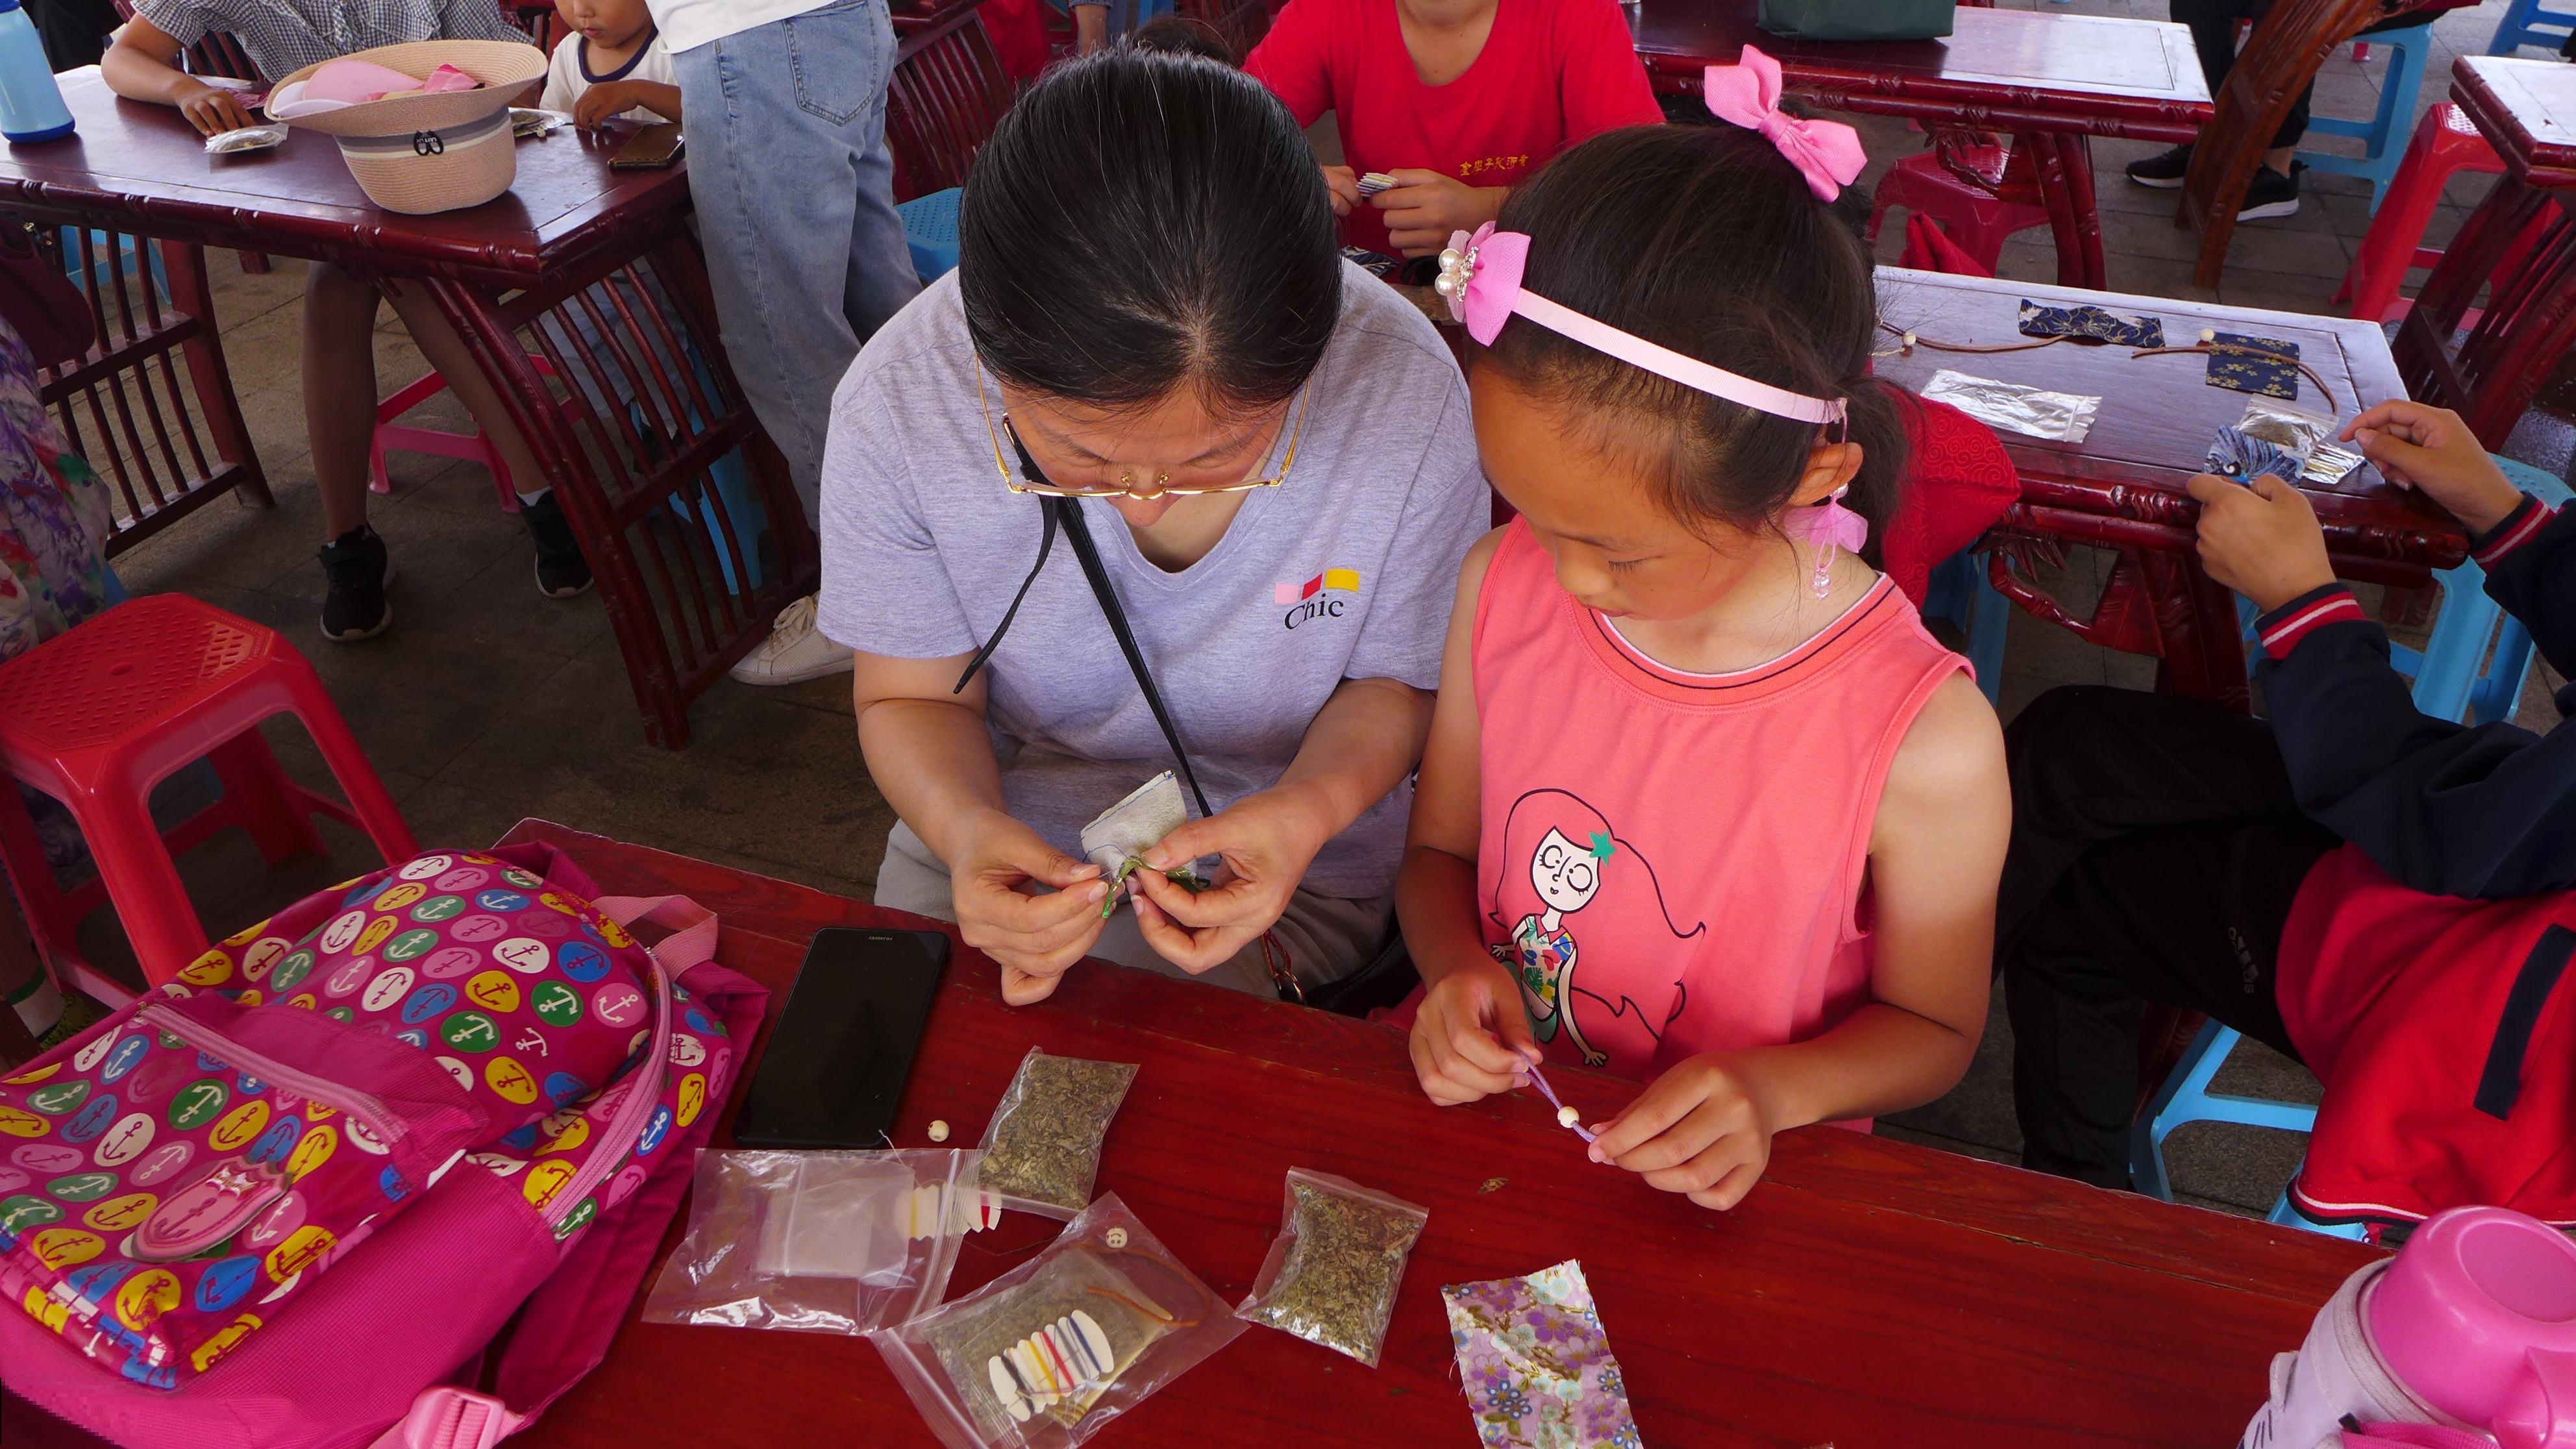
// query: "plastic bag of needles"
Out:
[819,1242]
[1333,1270]
[1042,1148]
[1046,1354]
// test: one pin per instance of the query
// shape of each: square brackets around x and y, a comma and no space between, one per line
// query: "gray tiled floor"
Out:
[487,702]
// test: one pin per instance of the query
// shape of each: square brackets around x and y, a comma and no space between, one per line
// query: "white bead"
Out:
[1445,284]
[1451,259]
[938,1131]
[1115,1237]
[1567,1116]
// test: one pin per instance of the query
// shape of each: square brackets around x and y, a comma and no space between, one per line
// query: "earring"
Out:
[1821,582]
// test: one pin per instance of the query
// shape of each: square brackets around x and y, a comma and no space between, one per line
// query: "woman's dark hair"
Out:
[1703,239]
[1178,34]
[1143,221]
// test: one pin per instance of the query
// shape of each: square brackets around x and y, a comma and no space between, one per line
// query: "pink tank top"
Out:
[1676,863]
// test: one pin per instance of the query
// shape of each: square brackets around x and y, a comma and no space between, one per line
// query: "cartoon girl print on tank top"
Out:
[1559,856]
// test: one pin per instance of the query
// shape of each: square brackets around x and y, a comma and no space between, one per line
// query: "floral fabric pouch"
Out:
[1536,1365]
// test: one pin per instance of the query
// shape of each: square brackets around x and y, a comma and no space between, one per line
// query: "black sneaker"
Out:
[2164,170]
[561,570]
[2271,194]
[354,606]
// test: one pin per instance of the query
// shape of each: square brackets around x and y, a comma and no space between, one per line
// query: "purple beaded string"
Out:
[1538,1079]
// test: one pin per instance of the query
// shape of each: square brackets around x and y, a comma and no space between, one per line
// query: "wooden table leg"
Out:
[2201,647]
[661,466]
[2065,164]
[2519,247]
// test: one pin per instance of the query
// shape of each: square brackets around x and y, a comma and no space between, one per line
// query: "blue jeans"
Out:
[795,196]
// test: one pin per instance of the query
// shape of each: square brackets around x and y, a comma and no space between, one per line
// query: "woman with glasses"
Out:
[1151,391]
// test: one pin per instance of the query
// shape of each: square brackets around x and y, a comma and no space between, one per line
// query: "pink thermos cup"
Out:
[2477,1318]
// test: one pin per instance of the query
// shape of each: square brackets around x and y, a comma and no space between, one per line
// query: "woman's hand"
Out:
[1703,1129]
[1034,937]
[1343,185]
[1266,842]
[211,109]
[2260,538]
[1471,1038]
[2430,449]
[1424,207]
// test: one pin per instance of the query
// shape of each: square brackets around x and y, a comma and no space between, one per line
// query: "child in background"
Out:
[339,355]
[1703,803]
[613,64]
[1458,100]
[2321,879]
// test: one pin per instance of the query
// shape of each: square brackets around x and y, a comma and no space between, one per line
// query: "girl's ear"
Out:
[1829,466]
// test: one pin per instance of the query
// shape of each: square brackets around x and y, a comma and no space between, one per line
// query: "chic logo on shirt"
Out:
[1324,596]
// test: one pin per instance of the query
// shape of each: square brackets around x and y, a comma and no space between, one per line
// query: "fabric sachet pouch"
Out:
[2093,324]
[820,1242]
[2266,366]
[2239,455]
[1045,1355]
[1536,1364]
[1117,838]
[1042,1148]
[1333,1270]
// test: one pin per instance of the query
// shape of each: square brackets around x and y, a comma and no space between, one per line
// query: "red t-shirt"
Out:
[1553,72]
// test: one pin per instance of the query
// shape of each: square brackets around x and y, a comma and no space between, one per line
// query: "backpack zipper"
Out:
[360,1106]
[642,1097]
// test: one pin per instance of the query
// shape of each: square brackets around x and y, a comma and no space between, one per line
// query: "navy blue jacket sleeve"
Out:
[2483,811]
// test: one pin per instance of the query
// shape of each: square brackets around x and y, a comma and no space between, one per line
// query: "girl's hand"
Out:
[1266,841]
[1471,1038]
[1033,937]
[1343,185]
[211,109]
[2430,449]
[2261,538]
[1424,207]
[1703,1130]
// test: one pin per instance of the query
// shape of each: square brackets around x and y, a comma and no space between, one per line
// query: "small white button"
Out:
[1115,1237]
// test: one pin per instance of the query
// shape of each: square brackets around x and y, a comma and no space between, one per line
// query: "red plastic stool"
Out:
[98,716]
[2445,142]
[394,435]
[1975,217]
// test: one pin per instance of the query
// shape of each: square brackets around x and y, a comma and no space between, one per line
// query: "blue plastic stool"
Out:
[930,229]
[1961,592]
[2385,134]
[2524,23]
[2185,1097]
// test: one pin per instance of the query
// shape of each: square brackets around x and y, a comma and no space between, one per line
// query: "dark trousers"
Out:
[74,31]
[2156,850]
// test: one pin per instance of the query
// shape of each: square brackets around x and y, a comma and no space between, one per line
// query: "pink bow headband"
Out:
[1481,277]
[1481,274]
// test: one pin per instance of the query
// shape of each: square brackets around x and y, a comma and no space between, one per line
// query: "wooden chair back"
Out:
[2278,62]
[949,91]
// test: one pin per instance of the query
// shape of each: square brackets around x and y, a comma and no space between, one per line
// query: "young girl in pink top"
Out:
[1703,805]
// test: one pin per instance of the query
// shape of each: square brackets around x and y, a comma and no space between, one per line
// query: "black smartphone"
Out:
[650,149]
[835,1067]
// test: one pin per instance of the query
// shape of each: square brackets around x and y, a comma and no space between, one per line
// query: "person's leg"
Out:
[805,254]
[788,166]
[2156,850]
[2212,24]
[561,570]
[340,416]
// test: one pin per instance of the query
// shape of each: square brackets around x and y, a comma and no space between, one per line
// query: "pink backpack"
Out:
[367,1131]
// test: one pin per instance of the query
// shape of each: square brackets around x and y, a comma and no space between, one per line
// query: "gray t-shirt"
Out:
[1344,572]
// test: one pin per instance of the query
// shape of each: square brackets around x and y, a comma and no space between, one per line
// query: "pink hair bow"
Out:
[1827,153]
[1485,280]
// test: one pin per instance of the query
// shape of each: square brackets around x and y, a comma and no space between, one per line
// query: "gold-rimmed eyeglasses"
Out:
[1037,482]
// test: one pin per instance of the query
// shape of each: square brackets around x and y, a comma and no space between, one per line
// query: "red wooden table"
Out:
[1869,1292]
[665,544]
[2121,488]
[2050,78]
[2519,247]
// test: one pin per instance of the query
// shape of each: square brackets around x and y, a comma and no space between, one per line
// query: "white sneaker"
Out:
[794,652]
